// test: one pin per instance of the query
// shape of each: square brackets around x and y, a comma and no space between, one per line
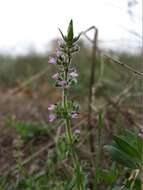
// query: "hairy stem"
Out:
[141,177]
[69,134]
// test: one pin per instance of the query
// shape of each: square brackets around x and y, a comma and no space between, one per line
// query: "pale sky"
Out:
[33,23]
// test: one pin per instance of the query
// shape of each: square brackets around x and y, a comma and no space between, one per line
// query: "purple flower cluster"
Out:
[66,76]
[72,77]
[58,111]
[52,116]
[60,81]
[58,52]
[55,76]
[51,107]
[74,115]
[73,74]
[52,60]
[58,77]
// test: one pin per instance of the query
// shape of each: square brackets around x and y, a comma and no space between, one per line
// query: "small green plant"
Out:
[127,150]
[27,130]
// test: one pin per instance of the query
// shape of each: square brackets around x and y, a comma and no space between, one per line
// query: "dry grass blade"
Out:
[124,65]
[25,83]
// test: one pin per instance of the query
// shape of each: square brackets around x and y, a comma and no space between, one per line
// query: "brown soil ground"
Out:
[25,106]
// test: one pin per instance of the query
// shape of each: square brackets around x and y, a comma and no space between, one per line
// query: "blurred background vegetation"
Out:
[32,150]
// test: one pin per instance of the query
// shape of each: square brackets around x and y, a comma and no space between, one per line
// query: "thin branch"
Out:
[26,82]
[125,66]
[85,33]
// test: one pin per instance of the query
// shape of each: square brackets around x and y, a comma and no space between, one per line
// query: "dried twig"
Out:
[125,66]
[91,84]
[26,82]
[90,96]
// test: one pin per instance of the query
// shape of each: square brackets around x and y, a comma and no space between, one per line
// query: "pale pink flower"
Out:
[74,74]
[52,60]
[63,83]
[51,107]
[58,52]
[52,117]
[74,115]
[55,76]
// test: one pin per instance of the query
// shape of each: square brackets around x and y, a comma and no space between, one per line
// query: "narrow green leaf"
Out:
[121,157]
[64,37]
[126,147]
[77,38]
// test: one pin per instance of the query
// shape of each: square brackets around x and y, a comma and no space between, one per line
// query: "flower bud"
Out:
[70,33]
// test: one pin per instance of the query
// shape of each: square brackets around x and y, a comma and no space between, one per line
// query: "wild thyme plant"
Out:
[65,78]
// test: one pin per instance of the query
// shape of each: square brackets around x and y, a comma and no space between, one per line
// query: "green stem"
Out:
[69,134]
[141,169]
[141,177]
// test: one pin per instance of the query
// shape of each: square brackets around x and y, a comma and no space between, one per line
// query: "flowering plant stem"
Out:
[141,170]
[69,133]
[67,110]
